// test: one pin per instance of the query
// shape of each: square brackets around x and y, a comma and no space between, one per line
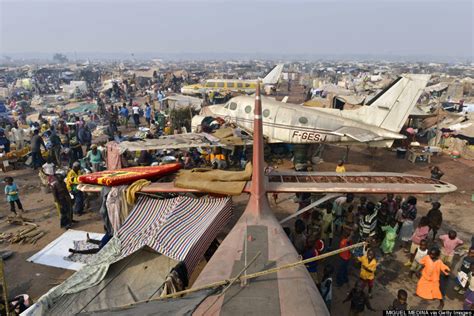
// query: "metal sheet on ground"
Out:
[53,254]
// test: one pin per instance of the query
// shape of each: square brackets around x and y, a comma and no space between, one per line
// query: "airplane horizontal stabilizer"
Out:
[358,134]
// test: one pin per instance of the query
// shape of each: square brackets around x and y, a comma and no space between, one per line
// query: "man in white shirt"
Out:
[136,114]
[18,136]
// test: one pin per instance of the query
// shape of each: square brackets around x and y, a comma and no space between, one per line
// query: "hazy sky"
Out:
[382,27]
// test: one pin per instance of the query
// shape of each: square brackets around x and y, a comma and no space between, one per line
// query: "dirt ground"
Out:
[35,279]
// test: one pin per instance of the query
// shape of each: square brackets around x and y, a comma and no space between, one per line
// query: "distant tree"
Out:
[60,58]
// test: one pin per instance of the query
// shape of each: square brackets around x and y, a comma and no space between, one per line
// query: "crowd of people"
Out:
[384,226]
[62,146]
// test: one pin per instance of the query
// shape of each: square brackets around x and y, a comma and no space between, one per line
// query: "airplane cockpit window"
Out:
[266,113]
[248,109]
[303,120]
[226,106]
[233,106]
[220,84]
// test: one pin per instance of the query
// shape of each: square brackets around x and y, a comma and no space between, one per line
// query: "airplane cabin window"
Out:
[266,113]
[230,85]
[220,85]
[248,109]
[233,106]
[303,120]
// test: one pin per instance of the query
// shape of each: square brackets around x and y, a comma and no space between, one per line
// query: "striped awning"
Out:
[181,228]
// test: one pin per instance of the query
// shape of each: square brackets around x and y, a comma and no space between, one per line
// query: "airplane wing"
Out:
[358,134]
[355,182]
[324,182]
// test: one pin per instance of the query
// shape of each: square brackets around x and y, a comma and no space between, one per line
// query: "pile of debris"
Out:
[30,235]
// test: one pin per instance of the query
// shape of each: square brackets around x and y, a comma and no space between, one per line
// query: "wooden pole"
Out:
[437,122]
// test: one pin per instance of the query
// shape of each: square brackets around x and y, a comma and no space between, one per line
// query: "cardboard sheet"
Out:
[54,253]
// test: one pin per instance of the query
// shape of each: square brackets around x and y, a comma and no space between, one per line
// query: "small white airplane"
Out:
[377,125]
[234,85]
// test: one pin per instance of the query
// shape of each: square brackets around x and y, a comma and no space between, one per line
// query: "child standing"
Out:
[299,237]
[11,191]
[327,228]
[428,285]
[344,259]
[314,248]
[367,270]
[400,303]
[326,286]
[420,233]
[359,300]
[450,243]
[409,212]
[390,237]
[469,297]
[340,167]
[314,227]
[416,257]
[463,272]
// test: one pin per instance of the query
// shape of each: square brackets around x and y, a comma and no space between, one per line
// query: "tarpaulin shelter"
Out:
[71,87]
[180,141]
[133,265]
[178,101]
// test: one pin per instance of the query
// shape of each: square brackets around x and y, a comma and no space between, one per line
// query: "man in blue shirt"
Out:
[124,115]
[161,96]
[148,114]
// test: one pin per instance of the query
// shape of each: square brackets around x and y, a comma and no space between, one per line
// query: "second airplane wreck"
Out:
[377,125]
[234,85]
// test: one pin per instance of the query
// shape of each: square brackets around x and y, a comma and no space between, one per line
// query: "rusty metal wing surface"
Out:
[325,182]
[355,182]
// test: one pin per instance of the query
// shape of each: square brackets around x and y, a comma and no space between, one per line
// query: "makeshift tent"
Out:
[180,229]
[71,87]
[134,278]
[178,101]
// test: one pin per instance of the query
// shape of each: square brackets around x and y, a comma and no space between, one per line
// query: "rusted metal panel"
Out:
[356,182]
[311,182]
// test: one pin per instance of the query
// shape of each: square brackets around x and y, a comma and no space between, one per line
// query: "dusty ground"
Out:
[35,279]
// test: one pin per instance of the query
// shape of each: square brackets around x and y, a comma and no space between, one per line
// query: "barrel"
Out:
[401,153]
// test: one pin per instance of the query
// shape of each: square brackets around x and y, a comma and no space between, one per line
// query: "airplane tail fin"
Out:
[274,75]
[391,107]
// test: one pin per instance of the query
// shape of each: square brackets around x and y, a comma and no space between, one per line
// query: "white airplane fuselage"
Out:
[291,123]
[377,125]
